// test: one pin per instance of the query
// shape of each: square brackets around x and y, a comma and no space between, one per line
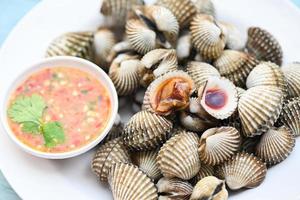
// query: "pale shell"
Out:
[173,189]
[78,44]
[263,45]
[107,155]
[127,182]
[259,108]
[146,130]
[179,157]
[290,115]
[236,66]
[207,37]
[243,171]
[275,145]
[235,40]
[217,145]
[292,75]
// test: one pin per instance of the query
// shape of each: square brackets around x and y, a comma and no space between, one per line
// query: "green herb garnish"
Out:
[28,112]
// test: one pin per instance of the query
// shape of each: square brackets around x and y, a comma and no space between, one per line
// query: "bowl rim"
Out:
[49,63]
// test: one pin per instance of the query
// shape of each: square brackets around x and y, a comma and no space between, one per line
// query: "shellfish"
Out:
[259,108]
[275,145]
[292,75]
[243,171]
[173,189]
[290,115]
[179,157]
[146,131]
[263,45]
[205,170]
[127,182]
[78,44]
[169,93]
[210,188]
[217,145]
[107,155]
[124,73]
[236,66]
[207,37]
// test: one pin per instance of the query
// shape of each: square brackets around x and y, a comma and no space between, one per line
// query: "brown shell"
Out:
[290,115]
[292,75]
[107,155]
[236,66]
[146,131]
[243,171]
[263,45]
[174,189]
[179,157]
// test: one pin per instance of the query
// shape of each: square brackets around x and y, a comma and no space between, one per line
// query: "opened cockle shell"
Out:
[146,130]
[243,171]
[146,161]
[217,145]
[127,182]
[200,72]
[263,45]
[207,37]
[259,108]
[205,7]
[169,93]
[173,189]
[267,74]
[107,155]
[218,97]
[151,27]
[156,63]
[275,145]
[290,115]
[236,66]
[235,40]
[210,188]
[292,75]
[104,40]
[184,11]
[205,170]
[179,157]
[118,9]
[124,73]
[78,44]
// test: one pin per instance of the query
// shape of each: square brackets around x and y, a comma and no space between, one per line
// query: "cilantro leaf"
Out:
[53,133]
[27,109]
[31,127]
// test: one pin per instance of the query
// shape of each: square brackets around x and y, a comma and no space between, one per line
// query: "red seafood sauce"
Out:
[75,98]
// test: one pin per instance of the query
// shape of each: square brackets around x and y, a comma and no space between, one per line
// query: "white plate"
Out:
[35,179]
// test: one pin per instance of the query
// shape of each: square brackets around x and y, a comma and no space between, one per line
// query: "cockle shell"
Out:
[122,47]
[78,44]
[267,74]
[205,7]
[118,9]
[210,188]
[207,36]
[236,66]
[205,170]
[259,108]
[243,171]
[179,157]
[146,161]
[217,145]
[173,189]
[263,45]
[183,10]
[152,27]
[235,40]
[156,63]
[290,115]
[124,73]
[218,97]
[200,72]
[107,155]
[169,93]
[292,75]
[127,182]
[146,131]
[275,145]
[104,40]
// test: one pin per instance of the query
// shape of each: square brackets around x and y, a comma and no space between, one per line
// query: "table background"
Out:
[11,12]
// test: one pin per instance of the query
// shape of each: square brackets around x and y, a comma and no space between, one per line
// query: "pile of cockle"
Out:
[217,109]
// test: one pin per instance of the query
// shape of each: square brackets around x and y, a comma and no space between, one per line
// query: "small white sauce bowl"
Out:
[62,61]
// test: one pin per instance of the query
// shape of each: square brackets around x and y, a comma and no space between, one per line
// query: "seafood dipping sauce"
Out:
[77,108]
